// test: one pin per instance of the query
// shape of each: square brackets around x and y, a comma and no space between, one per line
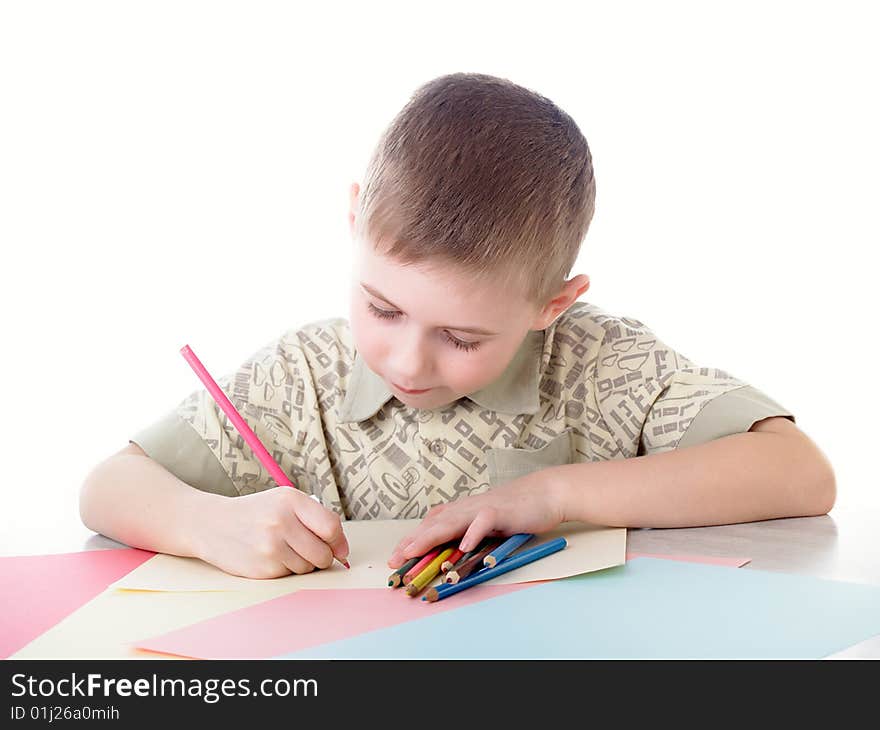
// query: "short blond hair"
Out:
[485,176]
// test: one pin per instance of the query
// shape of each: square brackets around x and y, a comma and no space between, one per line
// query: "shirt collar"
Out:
[515,391]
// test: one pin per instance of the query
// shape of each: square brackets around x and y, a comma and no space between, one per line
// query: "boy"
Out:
[469,388]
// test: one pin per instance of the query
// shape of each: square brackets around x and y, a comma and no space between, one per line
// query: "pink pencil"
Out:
[240,424]
[420,566]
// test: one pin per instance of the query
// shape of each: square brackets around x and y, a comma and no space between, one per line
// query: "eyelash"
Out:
[385,314]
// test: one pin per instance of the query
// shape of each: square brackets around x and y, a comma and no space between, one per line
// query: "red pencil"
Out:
[420,566]
[473,563]
[451,560]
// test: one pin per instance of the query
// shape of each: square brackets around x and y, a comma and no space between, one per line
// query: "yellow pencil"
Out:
[431,571]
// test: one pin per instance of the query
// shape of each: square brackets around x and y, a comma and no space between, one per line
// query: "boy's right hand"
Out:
[270,534]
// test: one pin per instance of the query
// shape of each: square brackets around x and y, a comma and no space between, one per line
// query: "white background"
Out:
[178,172]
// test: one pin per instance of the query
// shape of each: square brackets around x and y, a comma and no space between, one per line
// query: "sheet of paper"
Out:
[708,559]
[311,617]
[308,618]
[108,626]
[648,608]
[180,591]
[40,590]
[372,542]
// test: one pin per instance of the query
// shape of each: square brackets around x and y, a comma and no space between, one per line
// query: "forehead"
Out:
[432,288]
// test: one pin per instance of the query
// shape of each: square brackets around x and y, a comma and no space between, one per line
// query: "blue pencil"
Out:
[524,558]
[506,548]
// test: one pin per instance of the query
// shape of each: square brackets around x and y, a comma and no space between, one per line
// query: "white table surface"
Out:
[843,545]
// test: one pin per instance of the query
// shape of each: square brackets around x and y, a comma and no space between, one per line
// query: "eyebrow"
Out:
[472,330]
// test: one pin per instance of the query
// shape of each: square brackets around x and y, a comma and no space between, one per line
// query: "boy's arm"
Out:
[161,511]
[774,470]
[769,472]
[136,500]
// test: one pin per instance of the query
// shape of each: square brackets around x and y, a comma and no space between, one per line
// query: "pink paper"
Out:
[710,559]
[311,617]
[40,590]
[307,618]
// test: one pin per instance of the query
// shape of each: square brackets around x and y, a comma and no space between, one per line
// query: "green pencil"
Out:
[396,578]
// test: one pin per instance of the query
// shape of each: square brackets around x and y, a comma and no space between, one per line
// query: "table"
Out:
[843,545]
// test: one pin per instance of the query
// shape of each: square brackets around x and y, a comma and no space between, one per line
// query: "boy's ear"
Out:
[353,193]
[571,290]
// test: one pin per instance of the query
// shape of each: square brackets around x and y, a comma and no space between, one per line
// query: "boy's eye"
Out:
[386,314]
[382,313]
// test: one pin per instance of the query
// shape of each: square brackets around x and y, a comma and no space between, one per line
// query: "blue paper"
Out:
[649,608]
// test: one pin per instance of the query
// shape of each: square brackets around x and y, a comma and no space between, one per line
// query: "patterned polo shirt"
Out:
[590,387]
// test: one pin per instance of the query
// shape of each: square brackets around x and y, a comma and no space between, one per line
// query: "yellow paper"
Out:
[110,624]
[168,592]
[590,547]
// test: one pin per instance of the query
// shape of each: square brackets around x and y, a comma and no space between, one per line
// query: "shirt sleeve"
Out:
[274,392]
[654,399]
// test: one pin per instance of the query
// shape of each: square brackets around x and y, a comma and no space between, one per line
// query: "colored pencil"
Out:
[440,592]
[470,553]
[420,565]
[506,548]
[451,561]
[431,571]
[241,426]
[474,562]
[396,578]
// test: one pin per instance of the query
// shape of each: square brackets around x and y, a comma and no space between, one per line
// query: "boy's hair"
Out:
[485,176]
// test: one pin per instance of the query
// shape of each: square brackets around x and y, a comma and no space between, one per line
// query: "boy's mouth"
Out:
[410,392]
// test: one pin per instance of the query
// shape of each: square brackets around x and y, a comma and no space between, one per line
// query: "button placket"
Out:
[433,447]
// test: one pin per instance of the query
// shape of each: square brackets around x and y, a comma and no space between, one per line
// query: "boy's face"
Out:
[411,325]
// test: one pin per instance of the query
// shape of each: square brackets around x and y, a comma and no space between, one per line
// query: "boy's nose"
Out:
[408,364]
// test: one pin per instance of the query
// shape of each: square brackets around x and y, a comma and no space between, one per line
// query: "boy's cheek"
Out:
[366,340]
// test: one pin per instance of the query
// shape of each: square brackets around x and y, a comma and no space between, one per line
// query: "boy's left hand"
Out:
[531,503]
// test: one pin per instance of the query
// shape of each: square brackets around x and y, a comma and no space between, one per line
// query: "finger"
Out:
[325,525]
[396,559]
[294,562]
[306,544]
[401,546]
[310,547]
[429,519]
[483,524]
[339,545]
[432,536]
